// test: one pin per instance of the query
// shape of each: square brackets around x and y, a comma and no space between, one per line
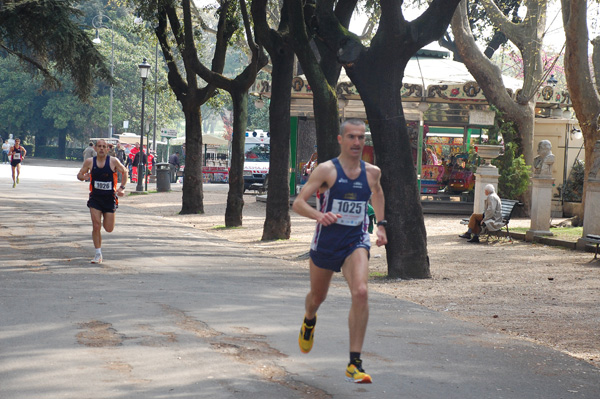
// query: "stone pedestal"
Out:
[591,221]
[485,174]
[541,207]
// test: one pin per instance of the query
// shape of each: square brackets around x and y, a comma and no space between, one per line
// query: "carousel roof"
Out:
[430,77]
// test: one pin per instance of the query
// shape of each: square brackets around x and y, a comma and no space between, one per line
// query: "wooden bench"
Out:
[594,239]
[508,208]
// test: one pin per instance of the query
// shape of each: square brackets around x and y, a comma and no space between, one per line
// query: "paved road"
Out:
[174,312]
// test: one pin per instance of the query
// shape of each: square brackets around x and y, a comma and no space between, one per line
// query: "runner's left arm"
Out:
[378,202]
[120,168]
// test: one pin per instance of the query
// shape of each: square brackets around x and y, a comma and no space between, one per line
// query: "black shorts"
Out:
[15,162]
[103,203]
[334,262]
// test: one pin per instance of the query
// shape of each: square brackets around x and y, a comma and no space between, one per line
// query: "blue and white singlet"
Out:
[348,198]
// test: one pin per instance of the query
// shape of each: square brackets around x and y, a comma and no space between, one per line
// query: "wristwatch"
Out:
[382,223]
[122,187]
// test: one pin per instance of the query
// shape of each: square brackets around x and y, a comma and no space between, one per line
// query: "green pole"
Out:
[420,153]
[293,153]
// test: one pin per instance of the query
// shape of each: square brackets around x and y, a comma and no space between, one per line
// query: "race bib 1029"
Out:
[103,185]
[353,212]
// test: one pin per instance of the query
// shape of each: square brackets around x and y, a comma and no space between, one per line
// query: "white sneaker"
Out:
[97,259]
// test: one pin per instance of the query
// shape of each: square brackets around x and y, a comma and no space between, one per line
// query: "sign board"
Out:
[113,141]
[481,118]
[169,133]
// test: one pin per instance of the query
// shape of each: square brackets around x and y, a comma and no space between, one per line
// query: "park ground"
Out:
[544,294]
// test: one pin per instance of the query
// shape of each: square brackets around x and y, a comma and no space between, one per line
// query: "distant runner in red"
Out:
[17,155]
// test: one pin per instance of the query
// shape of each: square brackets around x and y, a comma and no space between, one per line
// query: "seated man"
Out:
[491,217]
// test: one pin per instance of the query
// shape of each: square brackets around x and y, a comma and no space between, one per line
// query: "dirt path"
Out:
[545,294]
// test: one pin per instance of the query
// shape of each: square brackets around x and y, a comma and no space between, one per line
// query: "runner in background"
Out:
[101,171]
[16,154]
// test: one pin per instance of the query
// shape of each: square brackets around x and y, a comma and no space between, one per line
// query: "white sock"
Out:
[98,251]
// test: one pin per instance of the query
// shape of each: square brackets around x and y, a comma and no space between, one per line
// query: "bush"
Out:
[572,191]
[515,174]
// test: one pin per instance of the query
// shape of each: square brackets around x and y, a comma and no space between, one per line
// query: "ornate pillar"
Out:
[485,174]
[541,192]
[591,212]
[541,207]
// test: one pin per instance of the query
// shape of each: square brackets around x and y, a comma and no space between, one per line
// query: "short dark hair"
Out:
[355,122]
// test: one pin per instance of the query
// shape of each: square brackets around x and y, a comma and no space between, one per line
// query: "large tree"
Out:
[46,36]
[582,89]
[276,41]
[528,37]
[175,23]
[377,72]
[479,23]
[319,63]
[238,89]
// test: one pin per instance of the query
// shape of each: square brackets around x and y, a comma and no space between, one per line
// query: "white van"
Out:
[257,152]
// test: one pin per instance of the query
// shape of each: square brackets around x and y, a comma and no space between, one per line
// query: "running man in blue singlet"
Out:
[101,171]
[341,241]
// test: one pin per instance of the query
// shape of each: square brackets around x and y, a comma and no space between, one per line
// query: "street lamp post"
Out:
[97,23]
[139,21]
[144,71]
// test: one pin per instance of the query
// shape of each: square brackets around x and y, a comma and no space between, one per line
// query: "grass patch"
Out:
[561,233]
[378,275]
[223,227]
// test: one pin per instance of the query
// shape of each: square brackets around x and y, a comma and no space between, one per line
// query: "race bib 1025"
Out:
[103,185]
[353,212]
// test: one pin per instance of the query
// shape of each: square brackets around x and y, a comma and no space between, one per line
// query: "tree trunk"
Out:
[584,95]
[62,144]
[277,223]
[235,197]
[325,103]
[192,199]
[407,237]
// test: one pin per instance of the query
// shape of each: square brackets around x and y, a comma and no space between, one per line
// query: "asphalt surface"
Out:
[174,312]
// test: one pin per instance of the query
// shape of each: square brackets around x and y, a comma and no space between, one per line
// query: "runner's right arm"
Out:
[85,169]
[319,178]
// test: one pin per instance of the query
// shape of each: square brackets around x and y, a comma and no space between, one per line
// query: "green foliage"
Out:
[53,152]
[572,191]
[46,37]
[258,118]
[515,174]
[27,109]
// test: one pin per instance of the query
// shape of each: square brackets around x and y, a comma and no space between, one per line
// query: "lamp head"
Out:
[97,40]
[552,80]
[576,134]
[144,70]
[423,106]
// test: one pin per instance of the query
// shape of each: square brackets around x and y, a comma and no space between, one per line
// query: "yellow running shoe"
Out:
[14,184]
[17,179]
[306,337]
[356,374]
